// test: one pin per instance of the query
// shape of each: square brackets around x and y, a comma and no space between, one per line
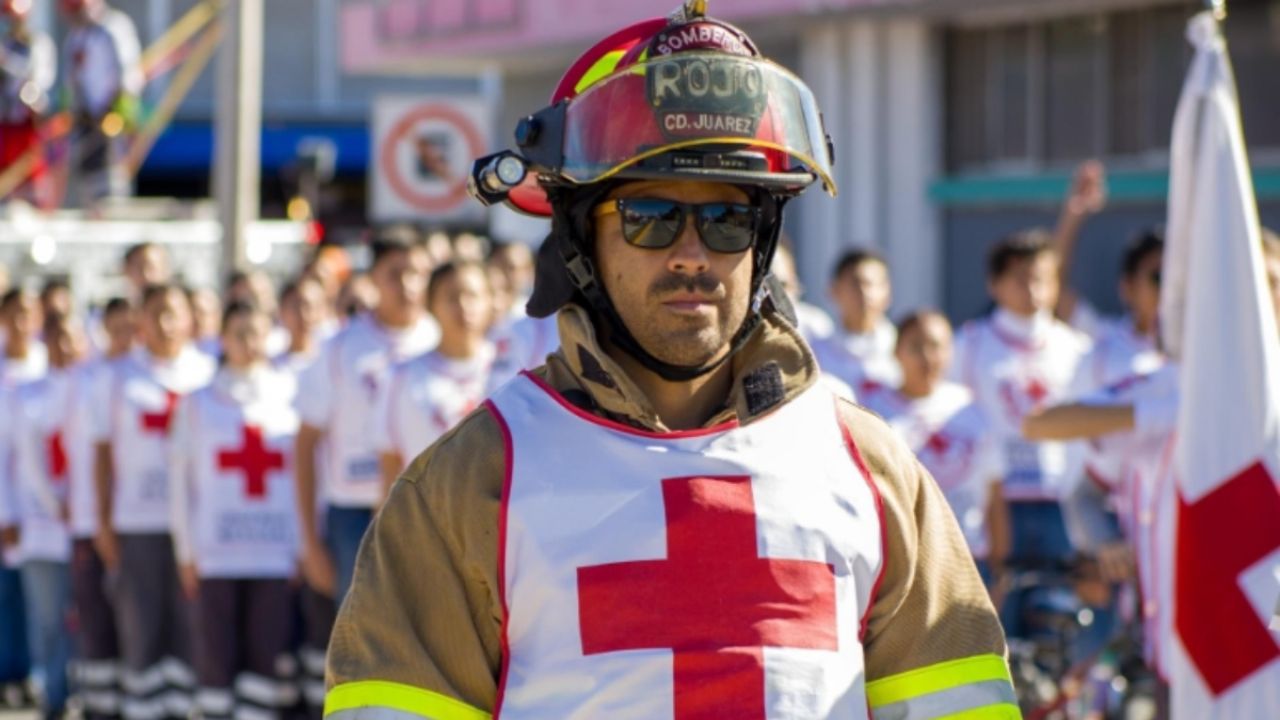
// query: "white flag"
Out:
[1225,661]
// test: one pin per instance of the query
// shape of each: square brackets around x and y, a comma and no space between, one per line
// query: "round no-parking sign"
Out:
[423,149]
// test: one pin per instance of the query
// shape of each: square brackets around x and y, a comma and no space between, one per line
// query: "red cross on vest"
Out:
[57,454]
[159,421]
[938,443]
[1220,536]
[254,460]
[714,602]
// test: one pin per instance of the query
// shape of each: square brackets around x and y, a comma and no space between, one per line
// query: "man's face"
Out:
[166,323]
[121,329]
[924,351]
[22,318]
[304,309]
[682,303]
[463,303]
[1028,285]
[400,281]
[66,344]
[516,264]
[206,313]
[862,293]
[244,338]
[1141,291]
[148,266]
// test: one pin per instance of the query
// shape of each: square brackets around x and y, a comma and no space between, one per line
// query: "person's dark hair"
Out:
[10,298]
[55,322]
[115,305]
[448,270]
[236,308]
[384,246]
[915,318]
[54,284]
[151,292]
[235,278]
[137,248]
[854,258]
[1147,242]
[1021,245]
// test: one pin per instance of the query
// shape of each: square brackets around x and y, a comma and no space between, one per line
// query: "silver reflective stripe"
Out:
[376,713]
[946,702]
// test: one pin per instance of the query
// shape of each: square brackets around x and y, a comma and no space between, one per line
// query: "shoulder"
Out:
[880,450]
[461,475]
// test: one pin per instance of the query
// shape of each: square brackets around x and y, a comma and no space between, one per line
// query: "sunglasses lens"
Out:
[650,223]
[728,227]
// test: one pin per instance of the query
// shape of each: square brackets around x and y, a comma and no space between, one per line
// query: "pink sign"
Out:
[382,34]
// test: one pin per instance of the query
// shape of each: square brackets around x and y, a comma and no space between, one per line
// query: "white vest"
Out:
[145,393]
[951,438]
[426,397]
[726,569]
[1011,377]
[41,466]
[241,503]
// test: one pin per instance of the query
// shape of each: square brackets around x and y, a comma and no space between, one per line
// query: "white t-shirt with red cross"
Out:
[1120,352]
[92,381]
[625,554]
[135,419]
[14,372]
[861,359]
[952,439]
[1014,365]
[233,504]
[38,412]
[426,397]
[339,392]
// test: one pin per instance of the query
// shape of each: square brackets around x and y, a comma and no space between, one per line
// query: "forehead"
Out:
[933,326]
[691,191]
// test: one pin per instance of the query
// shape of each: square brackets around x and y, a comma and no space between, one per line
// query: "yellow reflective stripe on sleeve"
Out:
[936,678]
[1003,711]
[402,700]
[601,69]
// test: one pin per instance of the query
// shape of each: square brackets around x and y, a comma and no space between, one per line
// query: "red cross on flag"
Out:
[1225,661]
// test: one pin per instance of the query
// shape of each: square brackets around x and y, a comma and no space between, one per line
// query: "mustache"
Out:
[672,283]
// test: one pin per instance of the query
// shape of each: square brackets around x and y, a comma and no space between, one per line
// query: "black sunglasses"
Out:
[655,224]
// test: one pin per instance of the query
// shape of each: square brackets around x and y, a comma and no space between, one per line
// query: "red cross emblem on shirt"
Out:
[1219,537]
[57,454]
[254,460]
[1037,391]
[939,443]
[714,602]
[158,422]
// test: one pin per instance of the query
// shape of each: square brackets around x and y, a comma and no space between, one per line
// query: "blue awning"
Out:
[187,147]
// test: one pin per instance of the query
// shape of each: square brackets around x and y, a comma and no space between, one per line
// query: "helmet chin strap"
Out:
[574,217]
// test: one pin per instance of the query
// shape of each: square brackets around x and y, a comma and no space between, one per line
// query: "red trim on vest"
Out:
[619,427]
[884,532]
[503,508]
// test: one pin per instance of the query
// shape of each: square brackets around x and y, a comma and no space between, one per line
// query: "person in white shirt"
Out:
[944,427]
[427,396]
[1015,361]
[1128,346]
[860,352]
[336,399]
[305,313]
[24,360]
[39,414]
[132,434]
[98,646]
[206,318]
[234,526]
[102,56]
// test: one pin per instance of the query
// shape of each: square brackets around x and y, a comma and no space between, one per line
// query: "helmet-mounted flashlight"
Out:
[494,177]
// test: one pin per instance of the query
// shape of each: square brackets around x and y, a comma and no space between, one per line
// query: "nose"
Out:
[688,256]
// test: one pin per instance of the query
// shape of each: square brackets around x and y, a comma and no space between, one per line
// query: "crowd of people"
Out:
[188,474]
